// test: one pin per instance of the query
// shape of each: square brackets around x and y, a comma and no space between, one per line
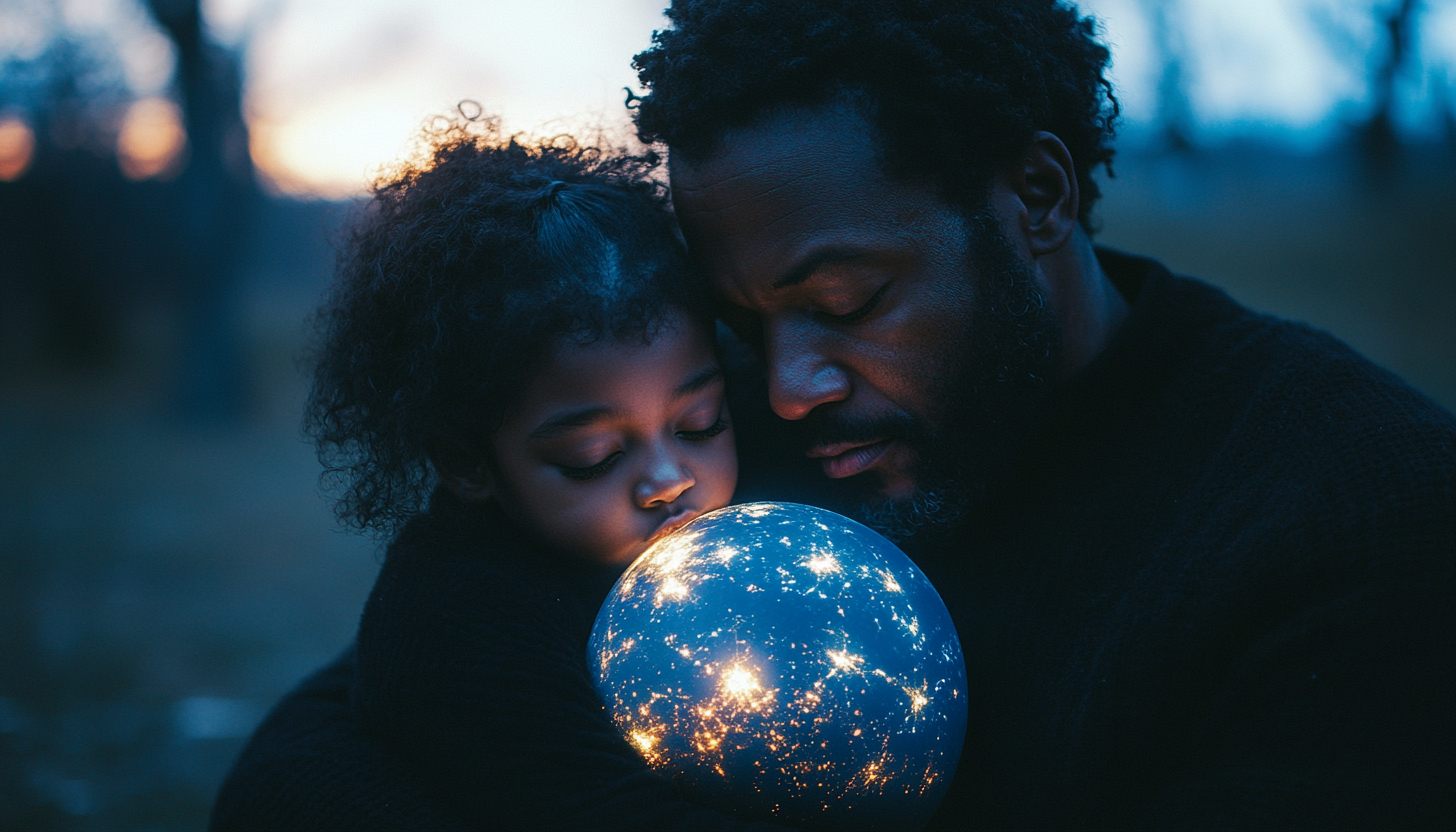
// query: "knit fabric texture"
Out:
[1216,592]
[466,703]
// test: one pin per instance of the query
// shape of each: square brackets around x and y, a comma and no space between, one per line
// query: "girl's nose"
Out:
[664,482]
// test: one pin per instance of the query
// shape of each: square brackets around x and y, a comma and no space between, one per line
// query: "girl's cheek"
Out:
[724,464]
[598,525]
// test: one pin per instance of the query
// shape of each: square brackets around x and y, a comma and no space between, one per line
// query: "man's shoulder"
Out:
[1277,413]
[1303,386]
[1278,375]
[1292,431]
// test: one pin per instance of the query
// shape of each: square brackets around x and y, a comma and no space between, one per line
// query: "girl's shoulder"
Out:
[462,566]
[467,626]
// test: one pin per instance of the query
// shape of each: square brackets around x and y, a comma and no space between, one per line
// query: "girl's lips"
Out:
[840,461]
[673,523]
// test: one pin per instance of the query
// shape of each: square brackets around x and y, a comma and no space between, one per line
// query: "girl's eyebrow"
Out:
[698,380]
[563,422]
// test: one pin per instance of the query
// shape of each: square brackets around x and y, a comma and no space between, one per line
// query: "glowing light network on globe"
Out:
[785,660]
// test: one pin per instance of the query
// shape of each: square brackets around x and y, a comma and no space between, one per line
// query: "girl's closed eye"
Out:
[591,472]
[717,427]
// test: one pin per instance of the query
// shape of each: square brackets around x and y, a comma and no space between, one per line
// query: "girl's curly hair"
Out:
[955,87]
[455,279]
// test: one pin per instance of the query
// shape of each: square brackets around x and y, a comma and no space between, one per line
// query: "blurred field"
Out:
[1316,238]
[163,580]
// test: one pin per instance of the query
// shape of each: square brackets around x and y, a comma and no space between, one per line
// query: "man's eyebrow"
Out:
[563,422]
[815,262]
[697,381]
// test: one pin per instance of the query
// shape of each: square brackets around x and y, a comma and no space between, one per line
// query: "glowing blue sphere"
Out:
[782,659]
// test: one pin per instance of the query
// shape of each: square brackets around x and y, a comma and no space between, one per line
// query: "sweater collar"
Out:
[1167,318]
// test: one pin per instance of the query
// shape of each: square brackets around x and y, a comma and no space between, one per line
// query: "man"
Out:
[1200,560]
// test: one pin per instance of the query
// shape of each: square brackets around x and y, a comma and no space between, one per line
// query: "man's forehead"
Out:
[783,146]
[803,188]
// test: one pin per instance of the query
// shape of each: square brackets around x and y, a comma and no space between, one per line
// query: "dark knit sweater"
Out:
[310,766]
[469,680]
[1216,592]
[472,666]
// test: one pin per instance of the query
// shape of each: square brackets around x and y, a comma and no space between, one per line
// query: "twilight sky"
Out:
[337,87]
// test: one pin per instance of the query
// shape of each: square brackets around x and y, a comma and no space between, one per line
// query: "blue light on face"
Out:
[783,659]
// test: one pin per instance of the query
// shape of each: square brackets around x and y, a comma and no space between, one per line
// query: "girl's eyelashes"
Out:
[706,433]
[591,472]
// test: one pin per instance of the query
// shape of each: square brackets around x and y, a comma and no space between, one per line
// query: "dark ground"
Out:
[162,580]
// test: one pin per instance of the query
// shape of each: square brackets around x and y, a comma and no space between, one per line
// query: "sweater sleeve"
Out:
[478,675]
[309,767]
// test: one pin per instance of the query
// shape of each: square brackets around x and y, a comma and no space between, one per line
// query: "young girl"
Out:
[519,381]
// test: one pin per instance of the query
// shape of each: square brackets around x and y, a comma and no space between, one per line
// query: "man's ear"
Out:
[463,471]
[1046,184]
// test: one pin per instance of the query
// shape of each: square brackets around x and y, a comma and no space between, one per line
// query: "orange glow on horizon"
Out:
[17,148]
[337,92]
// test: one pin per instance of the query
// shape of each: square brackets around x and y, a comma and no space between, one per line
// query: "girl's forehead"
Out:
[621,375]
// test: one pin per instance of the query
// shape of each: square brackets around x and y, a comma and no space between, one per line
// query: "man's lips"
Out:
[845,459]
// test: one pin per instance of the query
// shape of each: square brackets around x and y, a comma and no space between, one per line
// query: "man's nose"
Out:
[664,480]
[800,376]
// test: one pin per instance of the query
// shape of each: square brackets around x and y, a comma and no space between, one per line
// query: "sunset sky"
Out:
[337,87]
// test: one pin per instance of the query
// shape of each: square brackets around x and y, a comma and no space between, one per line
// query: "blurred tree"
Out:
[1379,141]
[78,240]
[219,194]
[1448,112]
[57,219]
[1175,113]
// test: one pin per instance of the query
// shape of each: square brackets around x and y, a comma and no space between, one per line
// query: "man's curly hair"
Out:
[456,278]
[956,88]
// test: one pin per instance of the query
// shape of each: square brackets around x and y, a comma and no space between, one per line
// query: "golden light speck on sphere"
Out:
[784,660]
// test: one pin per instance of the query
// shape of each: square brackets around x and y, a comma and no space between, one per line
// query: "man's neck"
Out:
[1090,308]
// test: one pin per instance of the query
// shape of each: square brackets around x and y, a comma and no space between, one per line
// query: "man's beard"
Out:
[992,378]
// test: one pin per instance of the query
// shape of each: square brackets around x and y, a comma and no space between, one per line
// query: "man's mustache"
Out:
[830,428]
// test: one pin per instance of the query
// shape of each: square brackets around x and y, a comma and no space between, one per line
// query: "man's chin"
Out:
[925,512]
[898,504]
[894,476]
